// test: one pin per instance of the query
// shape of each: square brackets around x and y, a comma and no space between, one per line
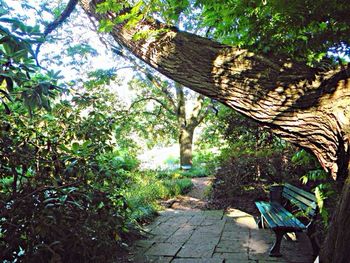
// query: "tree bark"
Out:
[304,105]
[336,247]
[187,125]
[186,142]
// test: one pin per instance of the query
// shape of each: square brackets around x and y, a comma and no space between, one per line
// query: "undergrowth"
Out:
[147,189]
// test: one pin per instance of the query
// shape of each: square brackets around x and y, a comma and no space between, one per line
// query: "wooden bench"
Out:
[300,217]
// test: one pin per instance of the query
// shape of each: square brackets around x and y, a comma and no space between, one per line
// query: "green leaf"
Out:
[75,146]
[323,25]
[105,26]
[109,5]
[136,9]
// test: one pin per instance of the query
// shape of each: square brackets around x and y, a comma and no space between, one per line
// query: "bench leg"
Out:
[275,250]
[261,222]
[314,243]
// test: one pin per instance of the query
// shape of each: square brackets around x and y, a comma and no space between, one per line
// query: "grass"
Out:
[196,171]
[147,189]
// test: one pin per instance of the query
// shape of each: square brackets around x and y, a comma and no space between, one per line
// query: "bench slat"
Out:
[278,217]
[274,214]
[302,192]
[289,219]
[300,198]
[262,209]
[307,209]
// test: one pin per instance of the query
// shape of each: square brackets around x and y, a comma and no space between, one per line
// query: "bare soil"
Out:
[197,198]
[204,197]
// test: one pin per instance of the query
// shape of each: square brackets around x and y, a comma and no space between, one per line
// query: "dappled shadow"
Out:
[213,236]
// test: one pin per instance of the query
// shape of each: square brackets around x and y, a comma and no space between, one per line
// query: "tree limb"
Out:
[301,104]
[58,21]
[154,99]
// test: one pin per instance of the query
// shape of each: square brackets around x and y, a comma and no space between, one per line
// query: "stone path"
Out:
[212,236]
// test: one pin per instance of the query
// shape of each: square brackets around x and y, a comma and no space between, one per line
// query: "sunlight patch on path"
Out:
[193,235]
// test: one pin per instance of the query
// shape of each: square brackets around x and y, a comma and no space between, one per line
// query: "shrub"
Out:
[62,224]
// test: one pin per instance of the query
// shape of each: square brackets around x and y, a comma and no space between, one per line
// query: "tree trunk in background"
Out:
[187,125]
[306,106]
[186,142]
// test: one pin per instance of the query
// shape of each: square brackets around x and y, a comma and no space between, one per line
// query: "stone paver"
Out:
[164,249]
[212,236]
[197,260]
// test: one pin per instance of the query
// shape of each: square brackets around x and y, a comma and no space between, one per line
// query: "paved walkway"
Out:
[193,236]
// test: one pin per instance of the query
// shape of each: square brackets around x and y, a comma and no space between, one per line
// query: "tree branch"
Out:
[197,115]
[58,21]
[301,104]
[154,99]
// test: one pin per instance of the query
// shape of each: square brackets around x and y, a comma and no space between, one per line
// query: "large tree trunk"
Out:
[336,247]
[306,106]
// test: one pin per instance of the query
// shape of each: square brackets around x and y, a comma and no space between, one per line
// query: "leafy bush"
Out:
[61,201]
[206,159]
[62,224]
[62,178]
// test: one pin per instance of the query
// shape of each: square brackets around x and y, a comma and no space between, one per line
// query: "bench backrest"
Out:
[305,201]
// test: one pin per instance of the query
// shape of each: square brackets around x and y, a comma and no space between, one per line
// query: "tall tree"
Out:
[187,123]
[179,110]
[306,105]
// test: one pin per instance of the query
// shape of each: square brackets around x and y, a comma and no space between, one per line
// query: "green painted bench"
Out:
[302,210]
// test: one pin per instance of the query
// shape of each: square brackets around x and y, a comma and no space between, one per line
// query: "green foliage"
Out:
[126,14]
[20,77]
[323,190]
[62,223]
[303,157]
[62,184]
[172,160]
[206,159]
[300,29]
[60,172]
[195,171]
[147,189]
[315,175]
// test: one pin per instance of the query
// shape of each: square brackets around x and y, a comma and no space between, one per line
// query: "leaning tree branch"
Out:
[303,105]
[58,21]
